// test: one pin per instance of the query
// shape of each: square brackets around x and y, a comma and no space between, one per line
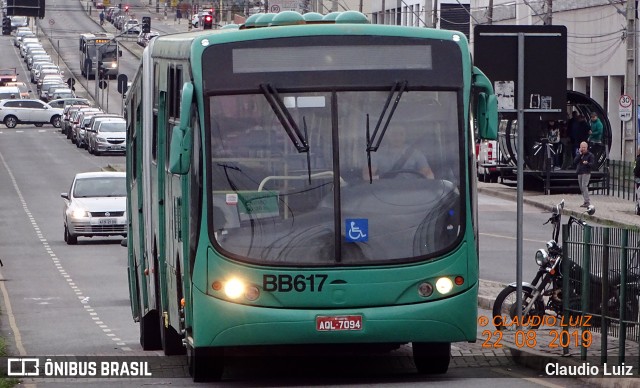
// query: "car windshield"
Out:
[113,127]
[100,187]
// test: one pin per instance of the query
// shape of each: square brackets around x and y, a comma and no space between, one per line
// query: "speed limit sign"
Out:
[625,109]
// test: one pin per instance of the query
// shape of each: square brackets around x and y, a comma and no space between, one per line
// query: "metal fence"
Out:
[611,301]
[619,181]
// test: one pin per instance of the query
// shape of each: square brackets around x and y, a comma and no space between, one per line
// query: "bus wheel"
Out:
[149,333]
[205,364]
[431,357]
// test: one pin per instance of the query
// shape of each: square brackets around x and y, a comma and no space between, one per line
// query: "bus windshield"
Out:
[333,202]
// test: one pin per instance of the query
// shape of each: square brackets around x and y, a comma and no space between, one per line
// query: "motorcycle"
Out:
[546,285]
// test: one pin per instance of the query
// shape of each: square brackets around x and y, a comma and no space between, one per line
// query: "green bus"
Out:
[305,180]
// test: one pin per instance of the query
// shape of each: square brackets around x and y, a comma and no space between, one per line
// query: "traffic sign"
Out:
[52,22]
[122,83]
[102,84]
[625,108]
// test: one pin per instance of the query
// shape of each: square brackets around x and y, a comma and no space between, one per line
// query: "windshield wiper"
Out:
[288,123]
[371,147]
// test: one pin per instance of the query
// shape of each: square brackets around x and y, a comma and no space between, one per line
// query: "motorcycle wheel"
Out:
[505,305]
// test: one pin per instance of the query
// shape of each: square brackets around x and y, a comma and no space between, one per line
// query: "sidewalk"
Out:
[610,211]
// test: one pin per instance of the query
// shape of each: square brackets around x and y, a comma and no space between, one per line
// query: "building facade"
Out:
[600,50]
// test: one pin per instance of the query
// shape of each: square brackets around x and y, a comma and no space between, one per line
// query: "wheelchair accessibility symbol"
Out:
[356,229]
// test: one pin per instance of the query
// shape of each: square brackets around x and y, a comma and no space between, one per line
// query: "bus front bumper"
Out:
[220,323]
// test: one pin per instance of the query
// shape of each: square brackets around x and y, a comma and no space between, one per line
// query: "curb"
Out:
[594,218]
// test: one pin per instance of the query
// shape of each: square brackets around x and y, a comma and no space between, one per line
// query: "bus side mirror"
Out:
[119,52]
[486,109]
[182,135]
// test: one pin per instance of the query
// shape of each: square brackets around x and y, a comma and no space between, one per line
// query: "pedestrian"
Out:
[595,133]
[553,135]
[102,17]
[584,162]
[578,132]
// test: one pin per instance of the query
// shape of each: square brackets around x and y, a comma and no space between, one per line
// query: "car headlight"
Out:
[114,65]
[101,139]
[79,213]
[542,257]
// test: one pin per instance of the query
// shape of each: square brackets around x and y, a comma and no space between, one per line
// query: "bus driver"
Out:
[395,155]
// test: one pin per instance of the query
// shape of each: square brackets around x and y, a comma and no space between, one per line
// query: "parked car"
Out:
[60,93]
[19,21]
[62,102]
[24,89]
[48,89]
[37,68]
[67,113]
[95,206]
[9,92]
[196,19]
[107,134]
[74,121]
[28,111]
[144,38]
[22,32]
[81,128]
[132,27]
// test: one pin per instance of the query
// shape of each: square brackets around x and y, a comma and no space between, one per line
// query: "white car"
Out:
[28,111]
[95,206]
[197,18]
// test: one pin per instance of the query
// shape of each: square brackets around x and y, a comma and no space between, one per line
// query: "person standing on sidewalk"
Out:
[595,133]
[584,163]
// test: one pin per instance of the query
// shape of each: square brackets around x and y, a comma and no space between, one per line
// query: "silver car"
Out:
[95,206]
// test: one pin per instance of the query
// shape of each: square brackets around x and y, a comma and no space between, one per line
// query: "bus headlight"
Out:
[444,285]
[114,65]
[234,288]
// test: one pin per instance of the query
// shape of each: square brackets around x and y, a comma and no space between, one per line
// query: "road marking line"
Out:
[534,380]
[5,293]
[510,237]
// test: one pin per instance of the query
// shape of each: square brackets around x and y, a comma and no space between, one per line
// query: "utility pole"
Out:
[490,13]
[631,85]
[383,13]
[434,23]
[428,17]
[548,19]
[360,6]
[334,5]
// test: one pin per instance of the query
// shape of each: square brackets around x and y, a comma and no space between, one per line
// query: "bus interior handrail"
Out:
[295,177]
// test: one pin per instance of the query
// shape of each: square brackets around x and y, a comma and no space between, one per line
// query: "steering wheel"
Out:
[394,173]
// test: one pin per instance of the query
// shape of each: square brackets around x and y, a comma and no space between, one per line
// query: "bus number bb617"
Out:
[298,283]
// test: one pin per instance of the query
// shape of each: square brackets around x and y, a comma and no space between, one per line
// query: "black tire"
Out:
[637,210]
[55,121]
[70,239]
[205,364]
[501,309]
[431,357]
[10,121]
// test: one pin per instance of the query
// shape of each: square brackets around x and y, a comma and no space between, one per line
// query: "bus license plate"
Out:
[107,221]
[337,323]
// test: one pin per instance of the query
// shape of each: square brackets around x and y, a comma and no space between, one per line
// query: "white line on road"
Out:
[511,237]
[5,294]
